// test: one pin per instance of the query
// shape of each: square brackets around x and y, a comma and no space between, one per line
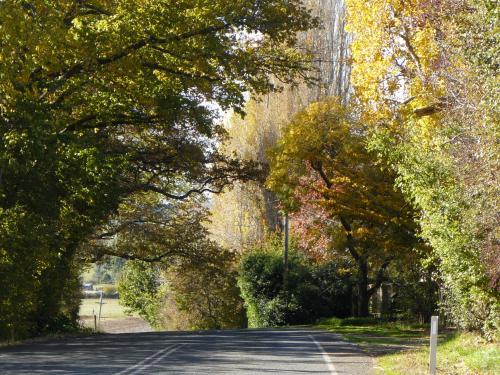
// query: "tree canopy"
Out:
[426,75]
[103,99]
[321,167]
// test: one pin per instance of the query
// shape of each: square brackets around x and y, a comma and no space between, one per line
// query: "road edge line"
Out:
[326,357]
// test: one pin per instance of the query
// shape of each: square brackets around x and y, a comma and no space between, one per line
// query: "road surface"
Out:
[263,351]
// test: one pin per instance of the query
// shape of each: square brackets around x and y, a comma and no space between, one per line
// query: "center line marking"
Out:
[156,360]
[326,357]
[141,363]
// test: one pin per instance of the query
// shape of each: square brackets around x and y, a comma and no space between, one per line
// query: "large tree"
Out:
[426,75]
[322,164]
[101,99]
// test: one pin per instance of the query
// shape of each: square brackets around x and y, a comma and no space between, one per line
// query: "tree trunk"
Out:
[363,295]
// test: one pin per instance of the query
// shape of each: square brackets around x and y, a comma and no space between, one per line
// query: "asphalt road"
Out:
[266,351]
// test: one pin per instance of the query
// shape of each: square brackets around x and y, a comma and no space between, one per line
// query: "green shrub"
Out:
[140,290]
[109,291]
[306,293]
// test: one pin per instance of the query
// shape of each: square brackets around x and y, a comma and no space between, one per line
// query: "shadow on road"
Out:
[285,351]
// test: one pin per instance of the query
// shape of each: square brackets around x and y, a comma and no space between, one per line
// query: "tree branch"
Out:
[350,239]
[165,69]
[78,68]
[318,167]
[380,277]
[125,225]
[200,190]
[148,259]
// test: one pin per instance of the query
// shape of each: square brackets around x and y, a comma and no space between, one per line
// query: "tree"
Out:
[176,276]
[426,75]
[322,162]
[141,290]
[245,214]
[146,227]
[102,99]
[204,293]
[188,292]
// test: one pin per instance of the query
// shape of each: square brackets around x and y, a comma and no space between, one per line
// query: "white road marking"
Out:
[326,357]
[143,364]
[146,365]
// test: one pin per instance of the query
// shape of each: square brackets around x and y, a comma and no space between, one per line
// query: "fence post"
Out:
[100,309]
[433,351]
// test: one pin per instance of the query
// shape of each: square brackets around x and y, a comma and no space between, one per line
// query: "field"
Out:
[110,308]
[113,317]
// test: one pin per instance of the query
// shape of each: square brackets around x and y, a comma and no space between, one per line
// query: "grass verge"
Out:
[403,348]
[458,354]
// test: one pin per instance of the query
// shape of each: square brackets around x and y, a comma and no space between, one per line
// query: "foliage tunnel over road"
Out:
[103,99]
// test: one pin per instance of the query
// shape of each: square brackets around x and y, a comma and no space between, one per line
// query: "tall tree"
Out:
[246,214]
[101,99]
[322,162]
[426,75]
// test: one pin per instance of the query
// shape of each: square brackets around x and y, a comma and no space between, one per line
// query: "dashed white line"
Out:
[326,357]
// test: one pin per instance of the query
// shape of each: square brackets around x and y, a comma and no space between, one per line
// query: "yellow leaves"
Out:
[393,55]
[77,23]
[424,43]
[102,25]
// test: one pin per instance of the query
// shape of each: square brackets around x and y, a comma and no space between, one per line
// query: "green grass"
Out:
[371,331]
[110,308]
[458,353]
[403,348]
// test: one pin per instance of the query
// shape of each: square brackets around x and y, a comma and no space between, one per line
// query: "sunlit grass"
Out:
[372,331]
[458,353]
[110,308]
[402,349]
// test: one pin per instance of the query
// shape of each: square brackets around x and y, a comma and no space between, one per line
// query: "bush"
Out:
[141,291]
[189,293]
[308,291]
[203,294]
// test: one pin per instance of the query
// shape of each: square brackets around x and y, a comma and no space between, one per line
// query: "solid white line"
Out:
[156,360]
[138,364]
[326,357]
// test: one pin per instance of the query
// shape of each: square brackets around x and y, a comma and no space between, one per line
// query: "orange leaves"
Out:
[322,169]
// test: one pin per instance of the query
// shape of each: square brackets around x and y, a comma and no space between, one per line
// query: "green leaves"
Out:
[100,100]
[309,291]
[140,290]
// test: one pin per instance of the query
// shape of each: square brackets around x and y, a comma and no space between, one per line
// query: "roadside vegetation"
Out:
[167,161]
[301,293]
[401,348]
[103,115]
[458,354]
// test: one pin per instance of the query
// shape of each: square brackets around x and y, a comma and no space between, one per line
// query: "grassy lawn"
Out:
[403,348]
[111,309]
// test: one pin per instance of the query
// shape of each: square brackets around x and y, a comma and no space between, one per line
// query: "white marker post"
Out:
[100,309]
[434,335]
